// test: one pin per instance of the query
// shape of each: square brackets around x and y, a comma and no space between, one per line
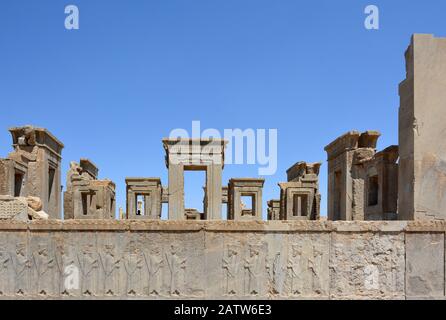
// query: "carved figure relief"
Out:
[155,264]
[89,264]
[315,266]
[133,265]
[68,272]
[231,265]
[294,270]
[273,268]
[21,268]
[253,270]
[5,262]
[110,263]
[177,267]
[44,267]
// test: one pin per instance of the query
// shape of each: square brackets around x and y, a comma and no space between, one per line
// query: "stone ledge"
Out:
[222,226]
[157,225]
[369,226]
[95,225]
[12,225]
[426,225]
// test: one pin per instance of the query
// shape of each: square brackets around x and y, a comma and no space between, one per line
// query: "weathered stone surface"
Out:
[425,264]
[34,203]
[300,197]
[422,124]
[86,197]
[13,208]
[21,208]
[273,210]
[35,167]
[367,265]
[362,184]
[37,215]
[150,259]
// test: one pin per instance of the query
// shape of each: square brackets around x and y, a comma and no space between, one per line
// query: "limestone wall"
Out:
[219,259]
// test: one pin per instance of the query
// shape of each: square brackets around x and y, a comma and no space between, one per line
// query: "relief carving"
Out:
[44,267]
[5,261]
[89,264]
[68,272]
[155,264]
[177,267]
[274,269]
[294,270]
[22,266]
[253,270]
[315,265]
[133,265]
[231,265]
[110,263]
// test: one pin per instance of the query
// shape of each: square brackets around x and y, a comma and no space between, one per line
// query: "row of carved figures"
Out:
[284,275]
[88,272]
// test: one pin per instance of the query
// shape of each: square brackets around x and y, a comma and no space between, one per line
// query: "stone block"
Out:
[367,265]
[425,264]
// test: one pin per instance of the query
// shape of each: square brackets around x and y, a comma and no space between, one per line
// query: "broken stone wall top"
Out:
[30,136]
[302,169]
[352,140]
[348,177]
[89,168]
[35,169]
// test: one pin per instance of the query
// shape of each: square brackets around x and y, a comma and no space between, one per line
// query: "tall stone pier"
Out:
[422,131]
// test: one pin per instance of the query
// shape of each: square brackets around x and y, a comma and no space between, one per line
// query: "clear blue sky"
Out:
[137,69]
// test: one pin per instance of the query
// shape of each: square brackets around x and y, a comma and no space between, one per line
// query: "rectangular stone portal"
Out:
[195,154]
[245,187]
[299,197]
[149,189]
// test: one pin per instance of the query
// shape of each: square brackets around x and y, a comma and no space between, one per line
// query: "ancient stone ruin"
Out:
[384,237]
[362,184]
[299,197]
[86,196]
[32,169]
[144,198]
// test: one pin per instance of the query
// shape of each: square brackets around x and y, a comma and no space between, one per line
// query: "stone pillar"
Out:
[274,210]
[6,177]
[213,192]
[422,127]
[176,192]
